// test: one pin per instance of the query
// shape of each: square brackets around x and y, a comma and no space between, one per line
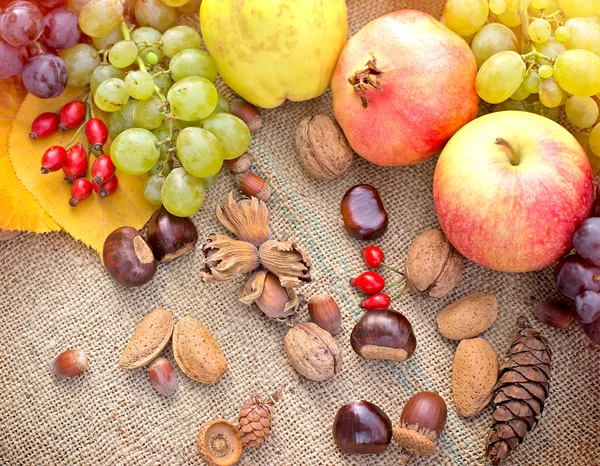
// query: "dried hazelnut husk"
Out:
[287,260]
[324,311]
[265,289]
[323,150]
[248,219]
[240,165]
[555,315]
[169,236]
[226,257]
[313,352]
[433,266]
[421,423]
[219,443]
[128,258]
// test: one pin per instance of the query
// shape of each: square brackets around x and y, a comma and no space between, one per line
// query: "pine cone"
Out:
[520,393]
[254,425]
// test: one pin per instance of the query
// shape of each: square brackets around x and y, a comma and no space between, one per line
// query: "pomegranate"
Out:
[403,85]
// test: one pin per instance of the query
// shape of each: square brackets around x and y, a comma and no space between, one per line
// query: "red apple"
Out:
[412,86]
[510,189]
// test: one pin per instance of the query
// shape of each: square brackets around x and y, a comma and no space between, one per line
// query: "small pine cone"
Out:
[254,425]
[520,393]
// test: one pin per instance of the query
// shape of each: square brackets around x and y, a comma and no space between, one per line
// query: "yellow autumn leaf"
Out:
[18,209]
[93,219]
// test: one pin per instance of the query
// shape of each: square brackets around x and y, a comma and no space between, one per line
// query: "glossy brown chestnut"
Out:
[363,213]
[555,315]
[324,312]
[128,258]
[362,427]
[169,236]
[383,334]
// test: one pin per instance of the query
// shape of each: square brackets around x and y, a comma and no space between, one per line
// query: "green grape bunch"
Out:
[540,56]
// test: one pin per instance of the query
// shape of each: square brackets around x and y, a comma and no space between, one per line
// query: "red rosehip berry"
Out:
[103,169]
[53,159]
[373,256]
[107,188]
[76,164]
[369,282]
[71,115]
[81,190]
[376,301]
[44,125]
[96,133]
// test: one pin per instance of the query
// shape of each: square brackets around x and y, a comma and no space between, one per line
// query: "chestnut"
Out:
[169,236]
[362,427]
[363,213]
[128,258]
[383,334]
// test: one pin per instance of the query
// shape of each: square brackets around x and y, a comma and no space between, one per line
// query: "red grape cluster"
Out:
[31,36]
[73,160]
[578,277]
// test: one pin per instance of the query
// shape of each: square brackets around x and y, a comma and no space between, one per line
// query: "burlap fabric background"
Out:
[55,295]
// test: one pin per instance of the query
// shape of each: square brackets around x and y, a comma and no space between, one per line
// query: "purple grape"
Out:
[586,240]
[45,76]
[39,48]
[50,4]
[21,24]
[592,331]
[12,60]
[61,29]
[574,275]
[587,307]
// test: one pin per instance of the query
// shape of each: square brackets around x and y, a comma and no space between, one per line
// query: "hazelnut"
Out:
[324,312]
[254,186]
[554,314]
[322,147]
[248,113]
[162,376]
[70,363]
[219,443]
[313,352]
[169,236]
[240,165]
[433,266]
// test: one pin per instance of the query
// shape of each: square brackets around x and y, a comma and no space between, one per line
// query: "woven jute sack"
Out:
[55,294]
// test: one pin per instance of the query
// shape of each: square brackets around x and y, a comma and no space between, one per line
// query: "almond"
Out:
[197,352]
[468,317]
[150,337]
[474,376]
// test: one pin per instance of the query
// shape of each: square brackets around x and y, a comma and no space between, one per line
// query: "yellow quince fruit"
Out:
[272,50]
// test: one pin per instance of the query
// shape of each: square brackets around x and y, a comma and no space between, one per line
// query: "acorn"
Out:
[324,312]
[70,363]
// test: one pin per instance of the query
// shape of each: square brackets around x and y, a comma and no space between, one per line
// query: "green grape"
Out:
[584,141]
[149,113]
[521,93]
[222,106]
[140,85]
[465,17]
[210,180]
[102,73]
[510,18]
[582,111]
[574,8]
[107,41]
[497,6]
[552,48]
[539,4]
[532,82]
[155,14]
[178,39]
[583,33]
[551,95]
[193,62]
[232,133]
[546,71]
[595,140]
[182,194]
[491,39]
[162,133]
[199,152]
[162,167]
[76,5]
[540,30]
[540,109]
[99,17]
[500,76]
[163,82]
[134,151]
[552,7]
[562,34]
[122,119]
[578,72]
[193,98]
[142,37]
[510,105]
[152,58]
[123,54]
[111,95]
[81,60]
[152,188]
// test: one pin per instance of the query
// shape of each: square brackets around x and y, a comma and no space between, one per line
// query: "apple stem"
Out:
[514,157]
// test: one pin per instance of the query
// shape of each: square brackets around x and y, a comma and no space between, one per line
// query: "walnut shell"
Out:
[433,267]
[313,352]
[322,147]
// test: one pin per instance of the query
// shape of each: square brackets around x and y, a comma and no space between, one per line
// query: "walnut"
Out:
[313,352]
[433,266]
[323,149]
